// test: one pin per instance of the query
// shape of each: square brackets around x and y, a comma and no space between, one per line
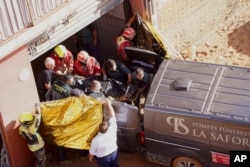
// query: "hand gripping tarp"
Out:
[71,122]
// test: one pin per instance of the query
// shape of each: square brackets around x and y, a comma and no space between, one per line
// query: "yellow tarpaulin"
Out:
[71,122]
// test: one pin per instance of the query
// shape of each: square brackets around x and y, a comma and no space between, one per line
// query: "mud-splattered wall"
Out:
[207,30]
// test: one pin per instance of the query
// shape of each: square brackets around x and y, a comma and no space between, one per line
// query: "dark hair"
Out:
[64,78]
[110,64]
[103,127]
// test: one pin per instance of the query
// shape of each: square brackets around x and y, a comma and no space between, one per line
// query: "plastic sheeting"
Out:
[149,38]
[71,122]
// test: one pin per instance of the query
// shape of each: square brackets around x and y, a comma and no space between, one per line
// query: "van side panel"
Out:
[208,117]
[228,135]
[127,118]
[171,135]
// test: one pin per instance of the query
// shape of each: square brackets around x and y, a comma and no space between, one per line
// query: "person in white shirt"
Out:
[104,144]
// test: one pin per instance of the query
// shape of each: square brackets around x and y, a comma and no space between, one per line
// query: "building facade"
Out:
[28,29]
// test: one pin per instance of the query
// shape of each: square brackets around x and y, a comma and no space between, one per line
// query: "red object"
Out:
[92,68]
[68,61]
[121,43]
[142,138]
[220,158]
[129,33]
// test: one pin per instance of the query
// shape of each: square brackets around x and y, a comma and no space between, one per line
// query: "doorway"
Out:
[108,27]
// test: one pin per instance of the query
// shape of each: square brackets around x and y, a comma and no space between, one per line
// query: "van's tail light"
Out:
[142,138]
[220,158]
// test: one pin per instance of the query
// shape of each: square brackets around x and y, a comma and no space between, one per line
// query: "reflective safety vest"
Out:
[62,88]
[121,43]
[33,139]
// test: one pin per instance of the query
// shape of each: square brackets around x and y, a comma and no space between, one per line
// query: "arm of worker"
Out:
[129,78]
[91,157]
[110,112]
[109,108]
[92,150]
[37,115]
[97,69]
[94,34]
[48,94]
[104,74]
[61,70]
[69,63]
[130,20]
[47,85]
[126,70]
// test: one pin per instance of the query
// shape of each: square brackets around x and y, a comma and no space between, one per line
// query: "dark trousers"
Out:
[61,153]
[110,160]
[40,157]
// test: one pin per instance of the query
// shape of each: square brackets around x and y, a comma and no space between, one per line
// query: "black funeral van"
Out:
[195,114]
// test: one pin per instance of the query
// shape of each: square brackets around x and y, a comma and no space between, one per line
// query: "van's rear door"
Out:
[128,125]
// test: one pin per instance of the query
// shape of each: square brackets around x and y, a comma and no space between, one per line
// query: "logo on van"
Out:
[208,130]
[178,125]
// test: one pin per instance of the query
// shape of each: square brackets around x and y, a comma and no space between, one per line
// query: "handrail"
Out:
[16,15]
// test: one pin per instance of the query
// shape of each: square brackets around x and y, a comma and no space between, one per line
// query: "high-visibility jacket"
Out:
[67,61]
[121,43]
[91,68]
[32,137]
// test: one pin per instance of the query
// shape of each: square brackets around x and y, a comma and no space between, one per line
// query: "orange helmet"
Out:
[129,33]
[60,50]
[82,56]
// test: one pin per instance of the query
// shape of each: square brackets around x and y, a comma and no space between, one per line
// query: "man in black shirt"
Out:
[87,40]
[45,78]
[142,80]
[116,70]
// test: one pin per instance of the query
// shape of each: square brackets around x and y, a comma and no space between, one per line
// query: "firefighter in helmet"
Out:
[125,39]
[64,60]
[86,65]
[29,124]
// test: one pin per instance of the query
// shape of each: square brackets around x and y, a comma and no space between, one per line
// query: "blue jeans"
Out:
[110,160]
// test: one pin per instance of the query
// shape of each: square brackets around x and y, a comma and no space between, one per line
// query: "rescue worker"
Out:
[45,78]
[115,69]
[142,81]
[125,39]
[87,40]
[64,60]
[29,131]
[86,65]
[104,147]
[60,89]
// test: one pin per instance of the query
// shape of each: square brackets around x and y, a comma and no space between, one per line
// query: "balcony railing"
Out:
[16,15]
